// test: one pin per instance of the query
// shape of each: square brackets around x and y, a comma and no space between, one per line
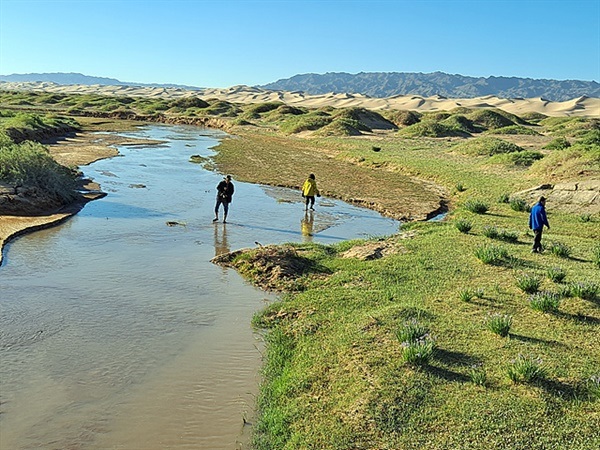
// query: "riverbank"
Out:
[77,149]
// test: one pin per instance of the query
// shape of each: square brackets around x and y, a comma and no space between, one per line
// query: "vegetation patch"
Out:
[430,128]
[486,146]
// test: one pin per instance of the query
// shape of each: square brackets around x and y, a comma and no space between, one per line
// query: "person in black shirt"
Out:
[224,194]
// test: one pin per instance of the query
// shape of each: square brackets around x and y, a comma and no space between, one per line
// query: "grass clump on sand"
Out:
[430,128]
[486,146]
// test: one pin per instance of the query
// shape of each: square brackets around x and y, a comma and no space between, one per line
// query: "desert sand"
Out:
[579,107]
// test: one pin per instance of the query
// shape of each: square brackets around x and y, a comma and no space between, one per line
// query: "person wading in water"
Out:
[309,190]
[224,195]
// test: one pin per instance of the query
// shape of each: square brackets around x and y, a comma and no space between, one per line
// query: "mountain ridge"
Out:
[389,84]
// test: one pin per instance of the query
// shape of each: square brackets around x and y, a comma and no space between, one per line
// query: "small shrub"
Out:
[411,332]
[559,249]
[418,353]
[518,204]
[585,218]
[525,369]
[464,226]
[499,324]
[460,187]
[477,375]
[545,301]
[476,206]
[528,283]
[556,274]
[586,290]
[491,254]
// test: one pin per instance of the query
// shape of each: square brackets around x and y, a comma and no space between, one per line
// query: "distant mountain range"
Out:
[389,84]
[78,78]
[375,84]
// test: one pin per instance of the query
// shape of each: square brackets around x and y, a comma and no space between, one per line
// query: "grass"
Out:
[556,274]
[526,369]
[528,283]
[499,324]
[545,301]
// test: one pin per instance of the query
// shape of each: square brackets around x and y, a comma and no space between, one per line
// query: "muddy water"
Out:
[116,332]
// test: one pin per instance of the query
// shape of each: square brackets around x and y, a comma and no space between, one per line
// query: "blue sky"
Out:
[225,43]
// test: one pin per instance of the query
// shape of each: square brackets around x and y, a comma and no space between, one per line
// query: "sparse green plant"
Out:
[585,218]
[504,198]
[477,375]
[464,226]
[556,274]
[559,249]
[490,231]
[525,369]
[491,254]
[528,283]
[559,143]
[520,205]
[499,323]
[411,331]
[419,352]
[476,206]
[544,301]
[585,290]
[460,187]
[565,291]
[596,255]
[466,295]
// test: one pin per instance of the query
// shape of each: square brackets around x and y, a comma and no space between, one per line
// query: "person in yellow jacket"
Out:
[309,190]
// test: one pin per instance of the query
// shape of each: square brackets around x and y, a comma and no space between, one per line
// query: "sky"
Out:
[225,43]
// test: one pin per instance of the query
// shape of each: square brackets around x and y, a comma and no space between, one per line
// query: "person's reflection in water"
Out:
[306,225]
[221,244]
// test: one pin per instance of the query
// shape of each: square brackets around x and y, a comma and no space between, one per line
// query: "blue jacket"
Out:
[537,218]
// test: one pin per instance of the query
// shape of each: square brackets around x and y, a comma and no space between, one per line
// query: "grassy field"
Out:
[461,338]
[496,367]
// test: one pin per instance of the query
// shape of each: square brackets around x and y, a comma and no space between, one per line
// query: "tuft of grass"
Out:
[544,301]
[585,290]
[499,323]
[491,254]
[411,331]
[486,146]
[528,283]
[593,387]
[559,249]
[585,218]
[520,205]
[560,143]
[490,231]
[418,353]
[556,274]
[476,206]
[596,255]
[464,226]
[504,198]
[466,295]
[460,187]
[526,369]
[477,375]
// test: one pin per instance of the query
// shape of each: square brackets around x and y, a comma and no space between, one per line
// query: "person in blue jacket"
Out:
[537,220]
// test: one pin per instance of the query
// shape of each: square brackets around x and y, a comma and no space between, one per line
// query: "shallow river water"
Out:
[116,330]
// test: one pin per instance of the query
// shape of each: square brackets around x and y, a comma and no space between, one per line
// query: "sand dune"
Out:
[581,107]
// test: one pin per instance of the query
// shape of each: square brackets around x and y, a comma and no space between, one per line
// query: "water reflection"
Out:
[307,225]
[220,235]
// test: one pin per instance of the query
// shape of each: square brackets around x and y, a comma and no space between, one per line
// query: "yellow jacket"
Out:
[309,188]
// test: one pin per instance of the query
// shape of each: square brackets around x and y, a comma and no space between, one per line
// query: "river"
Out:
[116,330]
